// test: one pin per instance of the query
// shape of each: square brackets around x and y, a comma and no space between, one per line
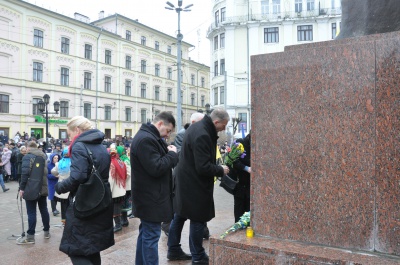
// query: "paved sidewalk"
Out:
[45,251]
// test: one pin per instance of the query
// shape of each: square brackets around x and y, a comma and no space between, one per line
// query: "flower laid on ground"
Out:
[237,150]
[243,222]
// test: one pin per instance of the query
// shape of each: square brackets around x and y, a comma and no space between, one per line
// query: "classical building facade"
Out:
[242,28]
[115,71]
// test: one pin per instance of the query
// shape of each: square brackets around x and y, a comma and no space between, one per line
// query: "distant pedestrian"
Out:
[52,180]
[34,167]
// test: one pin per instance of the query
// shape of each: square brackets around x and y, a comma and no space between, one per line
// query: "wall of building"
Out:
[18,21]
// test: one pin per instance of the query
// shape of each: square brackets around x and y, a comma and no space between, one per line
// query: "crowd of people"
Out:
[163,185]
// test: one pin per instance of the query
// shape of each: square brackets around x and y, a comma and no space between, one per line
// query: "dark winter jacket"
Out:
[243,187]
[27,162]
[19,162]
[86,237]
[52,180]
[151,175]
[194,182]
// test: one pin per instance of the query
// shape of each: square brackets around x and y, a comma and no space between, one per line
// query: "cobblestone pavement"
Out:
[45,251]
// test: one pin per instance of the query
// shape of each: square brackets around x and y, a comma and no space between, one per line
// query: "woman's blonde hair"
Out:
[79,122]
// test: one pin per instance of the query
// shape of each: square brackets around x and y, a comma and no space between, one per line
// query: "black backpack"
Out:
[34,184]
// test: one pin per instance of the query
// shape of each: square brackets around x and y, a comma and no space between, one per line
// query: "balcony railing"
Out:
[286,15]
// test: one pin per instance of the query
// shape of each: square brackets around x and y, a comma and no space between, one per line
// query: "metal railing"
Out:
[286,15]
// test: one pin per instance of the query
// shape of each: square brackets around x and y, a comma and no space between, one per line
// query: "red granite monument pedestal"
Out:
[325,156]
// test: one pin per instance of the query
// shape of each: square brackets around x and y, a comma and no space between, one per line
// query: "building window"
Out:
[4,103]
[169,73]
[128,114]
[156,112]
[305,33]
[38,38]
[37,72]
[143,40]
[169,49]
[88,51]
[87,110]
[65,45]
[143,66]
[310,5]
[192,97]
[192,79]
[128,85]
[334,30]
[276,6]
[64,109]
[35,110]
[157,45]
[143,90]
[333,4]
[222,95]
[107,113]
[203,82]
[222,66]
[271,35]
[64,76]
[87,84]
[128,62]
[157,70]
[215,68]
[216,43]
[169,95]
[216,96]
[203,99]
[128,35]
[265,7]
[298,6]
[157,93]
[223,14]
[222,40]
[143,117]
[243,119]
[107,59]
[107,84]
[216,17]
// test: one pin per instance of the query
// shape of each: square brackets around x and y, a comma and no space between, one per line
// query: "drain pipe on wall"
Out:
[97,78]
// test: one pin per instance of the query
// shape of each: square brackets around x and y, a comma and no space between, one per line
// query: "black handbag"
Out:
[228,184]
[92,197]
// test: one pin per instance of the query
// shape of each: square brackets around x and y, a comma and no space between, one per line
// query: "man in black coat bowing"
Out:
[151,173]
[194,183]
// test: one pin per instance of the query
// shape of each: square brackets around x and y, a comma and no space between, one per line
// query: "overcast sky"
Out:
[150,13]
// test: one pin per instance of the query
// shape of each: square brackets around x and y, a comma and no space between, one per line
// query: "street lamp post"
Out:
[43,106]
[179,38]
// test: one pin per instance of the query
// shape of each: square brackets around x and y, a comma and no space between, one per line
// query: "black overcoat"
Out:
[194,181]
[89,236]
[151,175]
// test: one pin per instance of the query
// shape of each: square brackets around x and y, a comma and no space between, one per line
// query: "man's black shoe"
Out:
[204,260]
[180,256]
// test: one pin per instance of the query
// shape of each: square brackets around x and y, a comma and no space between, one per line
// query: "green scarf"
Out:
[122,155]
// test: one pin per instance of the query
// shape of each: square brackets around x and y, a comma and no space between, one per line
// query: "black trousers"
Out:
[241,202]
[93,259]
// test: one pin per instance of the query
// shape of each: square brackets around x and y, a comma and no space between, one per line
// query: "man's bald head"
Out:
[197,116]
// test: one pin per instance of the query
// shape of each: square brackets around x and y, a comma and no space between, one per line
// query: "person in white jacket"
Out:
[117,179]
[127,203]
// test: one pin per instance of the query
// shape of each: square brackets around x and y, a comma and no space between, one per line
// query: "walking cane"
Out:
[22,218]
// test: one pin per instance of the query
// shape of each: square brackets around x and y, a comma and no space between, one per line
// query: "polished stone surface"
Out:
[45,251]
[238,249]
[326,144]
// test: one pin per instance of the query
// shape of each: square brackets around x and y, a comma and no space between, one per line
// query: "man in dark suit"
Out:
[194,183]
[151,173]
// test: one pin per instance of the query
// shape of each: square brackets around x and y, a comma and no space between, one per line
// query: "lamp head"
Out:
[41,106]
[56,106]
[170,4]
[46,99]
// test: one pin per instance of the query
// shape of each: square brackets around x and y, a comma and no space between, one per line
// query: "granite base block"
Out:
[236,248]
